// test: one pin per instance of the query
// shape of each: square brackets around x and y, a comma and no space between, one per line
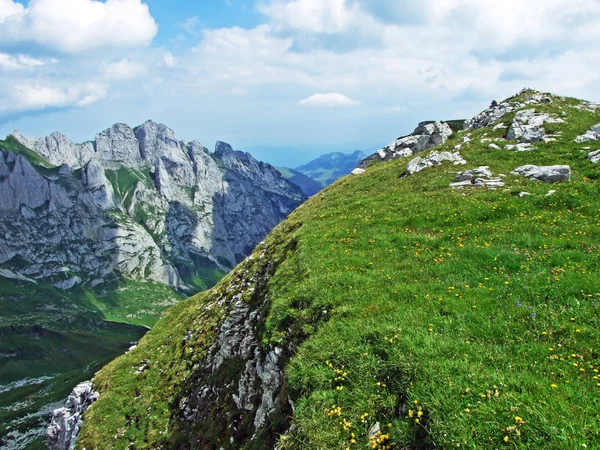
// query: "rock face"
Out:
[136,203]
[66,422]
[433,159]
[426,135]
[546,174]
[239,373]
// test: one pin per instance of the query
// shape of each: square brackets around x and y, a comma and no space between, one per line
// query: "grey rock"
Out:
[118,146]
[546,174]
[524,194]
[594,156]
[357,171]
[483,171]
[521,147]
[592,135]
[488,182]
[433,134]
[57,149]
[433,159]
[527,126]
[493,147]
[425,136]
[66,422]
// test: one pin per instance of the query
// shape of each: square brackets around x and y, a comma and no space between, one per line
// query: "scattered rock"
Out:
[489,182]
[374,430]
[546,174]
[470,175]
[493,147]
[524,194]
[357,171]
[522,147]
[550,193]
[592,135]
[433,159]
[594,156]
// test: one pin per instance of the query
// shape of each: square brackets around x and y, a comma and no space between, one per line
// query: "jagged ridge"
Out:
[135,203]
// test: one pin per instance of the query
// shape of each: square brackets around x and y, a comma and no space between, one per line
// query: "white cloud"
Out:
[124,70]
[30,97]
[19,62]
[317,16]
[169,59]
[74,26]
[329,100]
[8,8]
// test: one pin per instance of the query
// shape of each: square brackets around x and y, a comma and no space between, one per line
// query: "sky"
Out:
[287,80]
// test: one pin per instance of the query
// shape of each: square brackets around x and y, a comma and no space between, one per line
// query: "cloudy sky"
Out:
[286,80]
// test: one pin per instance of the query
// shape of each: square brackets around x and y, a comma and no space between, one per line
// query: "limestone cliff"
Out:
[136,203]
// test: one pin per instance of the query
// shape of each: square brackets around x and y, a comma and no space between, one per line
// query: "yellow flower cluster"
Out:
[380,441]
[334,411]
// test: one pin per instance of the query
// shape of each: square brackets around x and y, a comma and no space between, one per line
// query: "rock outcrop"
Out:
[527,126]
[426,135]
[433,159]
[66,422]
[546,174]
[497,111]
[135,203]
[480,177]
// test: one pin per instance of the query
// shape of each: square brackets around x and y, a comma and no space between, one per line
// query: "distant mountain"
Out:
[328,168]
[309,186]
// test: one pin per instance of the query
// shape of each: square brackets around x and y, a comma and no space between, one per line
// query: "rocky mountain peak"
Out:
[223,147]
[143,206]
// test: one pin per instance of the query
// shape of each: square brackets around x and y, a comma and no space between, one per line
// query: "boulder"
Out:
[546,174]
[594,156]
[434,134]
[357,171]
[433,159]
[522,147]
[592,135]
[483,171]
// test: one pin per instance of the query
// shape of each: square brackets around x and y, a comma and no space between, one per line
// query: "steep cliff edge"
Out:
[443,300]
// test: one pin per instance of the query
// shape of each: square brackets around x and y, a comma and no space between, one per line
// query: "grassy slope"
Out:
[12,145]
[454,318]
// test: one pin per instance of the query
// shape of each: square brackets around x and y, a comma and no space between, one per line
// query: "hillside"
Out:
[309,186]
[394,310]
[329,167]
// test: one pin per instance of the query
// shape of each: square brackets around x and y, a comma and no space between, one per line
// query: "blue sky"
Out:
[285,79]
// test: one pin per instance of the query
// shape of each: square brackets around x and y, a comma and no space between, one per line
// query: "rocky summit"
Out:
[136,203]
